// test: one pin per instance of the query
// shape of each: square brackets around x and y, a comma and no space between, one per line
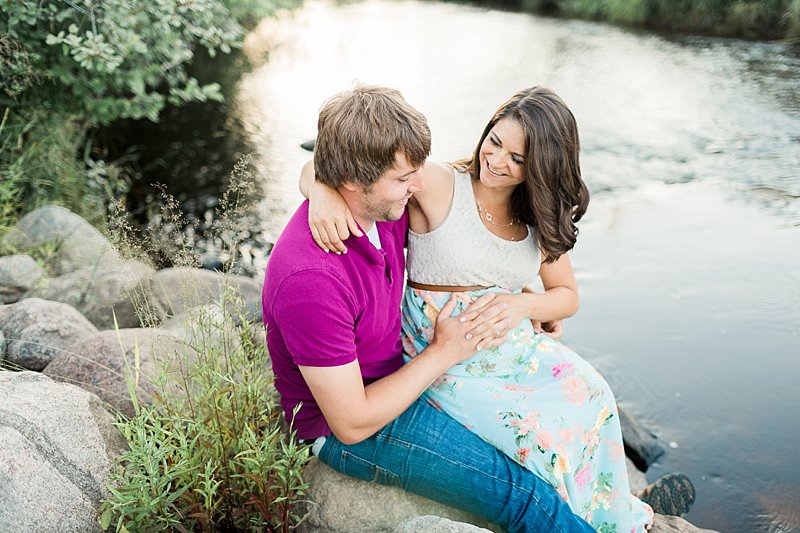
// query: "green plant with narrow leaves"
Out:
[38,166]
[210,452]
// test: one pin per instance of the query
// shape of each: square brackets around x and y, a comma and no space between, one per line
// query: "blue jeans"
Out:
[426,452]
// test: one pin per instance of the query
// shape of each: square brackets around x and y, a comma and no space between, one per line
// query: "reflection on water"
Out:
[191,150]
[687,258]
[689,308]
[650,108]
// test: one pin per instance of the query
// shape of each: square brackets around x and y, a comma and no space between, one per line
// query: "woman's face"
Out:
[502,155]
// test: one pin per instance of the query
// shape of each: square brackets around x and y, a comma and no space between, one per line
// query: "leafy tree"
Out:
[112,59]
[68,66]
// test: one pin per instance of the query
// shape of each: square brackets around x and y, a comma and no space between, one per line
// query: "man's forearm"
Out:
[355,412]
[387,398]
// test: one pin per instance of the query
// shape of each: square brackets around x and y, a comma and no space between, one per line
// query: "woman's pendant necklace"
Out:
[487,216]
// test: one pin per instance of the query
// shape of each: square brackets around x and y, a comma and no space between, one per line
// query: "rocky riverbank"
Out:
[72,325]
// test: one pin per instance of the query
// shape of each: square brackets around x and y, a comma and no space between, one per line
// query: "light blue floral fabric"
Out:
[540,403]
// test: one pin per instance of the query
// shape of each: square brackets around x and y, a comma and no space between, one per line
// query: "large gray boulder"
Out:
[426,524]
[18,274]
[101,292]
[36,331]
[180,288]
[344,504]
[348,505]
[105,362]
[57,449]
[75,242]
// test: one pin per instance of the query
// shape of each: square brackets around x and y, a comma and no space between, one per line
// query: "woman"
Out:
[490,224]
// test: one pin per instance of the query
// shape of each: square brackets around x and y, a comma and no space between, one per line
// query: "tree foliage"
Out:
[753,19]
[67,66]
[111,59]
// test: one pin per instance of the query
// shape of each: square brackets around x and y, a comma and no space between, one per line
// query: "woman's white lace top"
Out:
[463,252]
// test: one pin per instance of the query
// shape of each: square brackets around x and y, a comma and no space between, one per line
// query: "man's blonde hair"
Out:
[360,131]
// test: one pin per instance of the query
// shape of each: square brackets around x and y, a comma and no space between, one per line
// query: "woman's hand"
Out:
[329,218]
[553,328]
[498,315]
[453,334]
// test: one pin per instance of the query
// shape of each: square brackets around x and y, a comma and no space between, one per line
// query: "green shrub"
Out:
[628,11]
[588,9]
[70,66]
[792,20]
[10,186]
[16,69]
[44,160]
[115,59]
[209,454]
[753,19]
[249,12]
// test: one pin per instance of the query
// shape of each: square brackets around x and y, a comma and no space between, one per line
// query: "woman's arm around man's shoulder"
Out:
[429,207]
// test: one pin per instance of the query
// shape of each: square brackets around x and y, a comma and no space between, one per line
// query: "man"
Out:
[333,331]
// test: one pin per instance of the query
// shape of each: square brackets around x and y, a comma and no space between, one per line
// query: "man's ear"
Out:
[350,186]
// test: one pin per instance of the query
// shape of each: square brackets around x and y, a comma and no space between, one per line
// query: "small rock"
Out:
[77,243]
[18,274]
[309,145]
[641,445]
[37,331]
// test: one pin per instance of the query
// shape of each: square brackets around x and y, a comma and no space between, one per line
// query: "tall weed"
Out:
[41,163]
[210,452]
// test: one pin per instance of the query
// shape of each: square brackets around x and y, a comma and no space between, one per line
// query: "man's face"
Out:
[387,197]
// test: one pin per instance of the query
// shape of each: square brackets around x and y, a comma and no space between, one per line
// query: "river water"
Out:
[688,259]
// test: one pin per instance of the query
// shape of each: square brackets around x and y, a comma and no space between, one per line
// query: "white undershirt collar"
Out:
[374,238]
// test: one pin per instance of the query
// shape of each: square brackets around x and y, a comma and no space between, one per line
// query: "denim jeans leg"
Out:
[426,452]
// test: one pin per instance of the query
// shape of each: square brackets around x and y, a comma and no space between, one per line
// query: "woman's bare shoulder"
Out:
[433,201]
[438,180]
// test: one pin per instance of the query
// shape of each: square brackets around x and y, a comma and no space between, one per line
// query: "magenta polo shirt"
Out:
[323,309]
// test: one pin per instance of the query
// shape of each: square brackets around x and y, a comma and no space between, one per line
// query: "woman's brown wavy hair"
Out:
[553,196]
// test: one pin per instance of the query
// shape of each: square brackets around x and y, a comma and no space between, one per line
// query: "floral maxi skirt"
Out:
[539,402]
